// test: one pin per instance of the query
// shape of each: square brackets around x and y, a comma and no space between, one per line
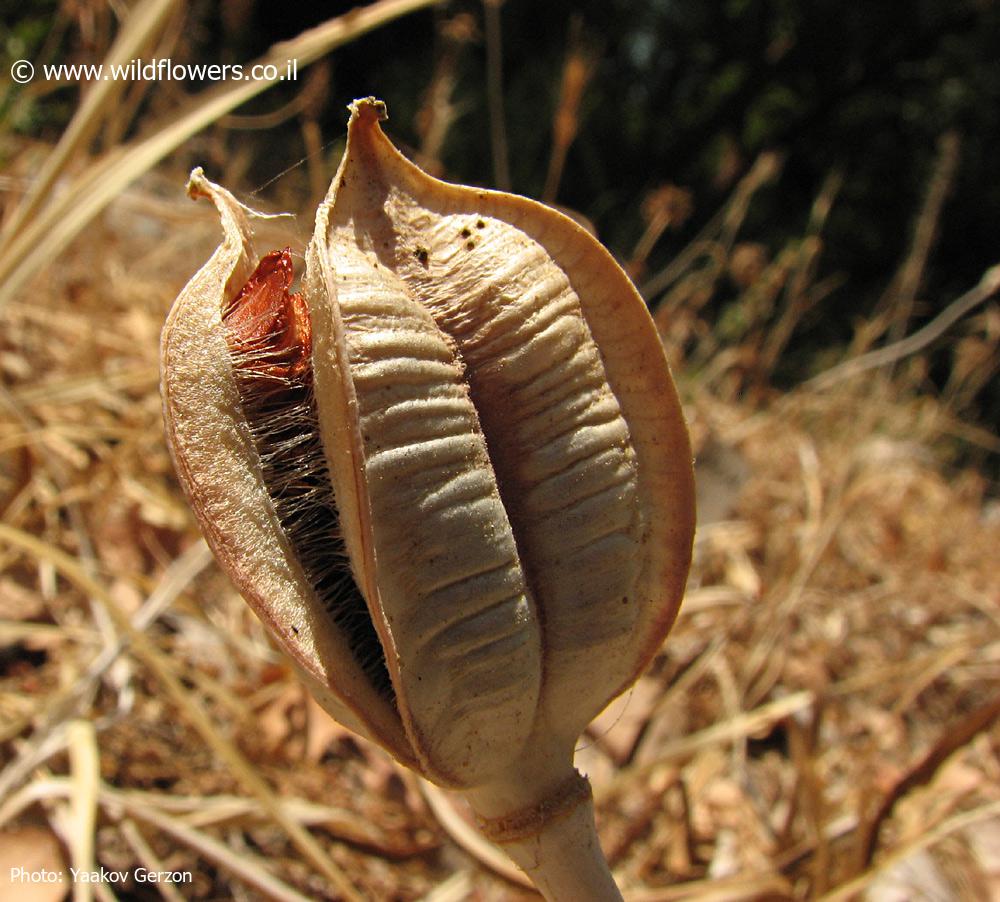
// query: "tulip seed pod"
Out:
[452,477]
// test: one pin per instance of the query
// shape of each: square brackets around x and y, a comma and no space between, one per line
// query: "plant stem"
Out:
[541,813]
[564,859]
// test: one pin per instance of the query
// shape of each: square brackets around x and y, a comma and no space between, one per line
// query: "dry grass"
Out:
[822,723]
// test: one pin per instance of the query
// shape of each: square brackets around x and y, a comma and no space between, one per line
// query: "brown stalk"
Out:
[668,206]
[720,229]
[799,298]
[921,773]
[900,296]
[438,112]
[577,71]
[988,286]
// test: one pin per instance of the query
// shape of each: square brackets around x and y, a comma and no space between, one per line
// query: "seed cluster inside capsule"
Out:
[269,337]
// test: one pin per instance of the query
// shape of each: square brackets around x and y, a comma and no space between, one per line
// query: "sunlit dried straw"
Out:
[66,214]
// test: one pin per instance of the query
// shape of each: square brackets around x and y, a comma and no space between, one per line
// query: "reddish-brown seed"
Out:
[268,329]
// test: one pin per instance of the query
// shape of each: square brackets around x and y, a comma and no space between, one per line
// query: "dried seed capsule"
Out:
[568,382]
[493,428]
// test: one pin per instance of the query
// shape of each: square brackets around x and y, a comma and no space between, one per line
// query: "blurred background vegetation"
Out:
[877,194]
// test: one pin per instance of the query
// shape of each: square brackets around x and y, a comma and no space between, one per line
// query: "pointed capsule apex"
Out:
[369,109]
